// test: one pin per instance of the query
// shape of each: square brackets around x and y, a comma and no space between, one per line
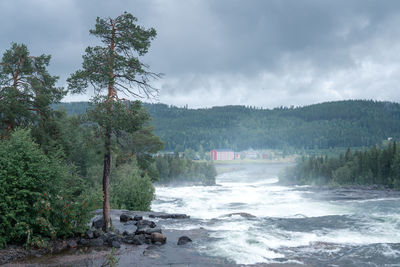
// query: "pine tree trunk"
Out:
[106,181]
[107,155]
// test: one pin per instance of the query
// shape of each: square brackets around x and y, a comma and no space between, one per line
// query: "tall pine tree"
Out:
[114,67]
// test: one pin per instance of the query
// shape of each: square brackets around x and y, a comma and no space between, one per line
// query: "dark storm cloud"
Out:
[264,53]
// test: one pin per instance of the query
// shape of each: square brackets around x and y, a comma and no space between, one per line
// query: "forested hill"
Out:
[351,123]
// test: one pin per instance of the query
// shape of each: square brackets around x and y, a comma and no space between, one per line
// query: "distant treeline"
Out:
[173,169]
[352,123]
[376,166]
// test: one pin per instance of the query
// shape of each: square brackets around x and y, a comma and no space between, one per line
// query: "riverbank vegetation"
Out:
[375,166]
[51,164]
[175,170]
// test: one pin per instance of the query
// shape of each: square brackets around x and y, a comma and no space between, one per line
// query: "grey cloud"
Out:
[265,53]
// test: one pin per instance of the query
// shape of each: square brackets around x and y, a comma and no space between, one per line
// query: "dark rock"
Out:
[139,240]
[124,217]
[170,216]
[97,242]
[115,244]
[130,223]
[128,229]
[146,222]
[96,233]
[108,238]
[97,222]
[84,242]
[137,218]
[154,230]
[158,238]
[89,234]
[72,243]
[145,229]
[142,229]
[57,247]
[127,239]
[183,240]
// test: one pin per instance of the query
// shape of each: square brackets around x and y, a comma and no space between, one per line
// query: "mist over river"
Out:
[292,224]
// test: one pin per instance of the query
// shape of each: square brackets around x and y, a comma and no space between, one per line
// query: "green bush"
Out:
[131,190]
[39,198]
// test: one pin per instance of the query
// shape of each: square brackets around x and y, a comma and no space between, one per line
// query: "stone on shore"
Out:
[169,216]
[97,222]
[115,244]
[84,242]
[137,218]
[89,234]
[125,217]
[158,237]
[145,229]
[97,242]
[72,243]
[146,222]
[184,240]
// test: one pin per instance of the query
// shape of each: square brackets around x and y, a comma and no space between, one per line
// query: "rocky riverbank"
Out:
[138,239]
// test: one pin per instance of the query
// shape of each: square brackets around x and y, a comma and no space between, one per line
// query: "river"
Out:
[292,224]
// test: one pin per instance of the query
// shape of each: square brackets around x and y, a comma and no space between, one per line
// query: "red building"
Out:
[222,154]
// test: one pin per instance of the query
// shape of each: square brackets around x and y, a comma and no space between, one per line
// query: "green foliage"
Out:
[129,190]
[112,260]
[352,123]
[39,198]
[116,64]
[173,169]
[26,89]
[378,166]
[118,115]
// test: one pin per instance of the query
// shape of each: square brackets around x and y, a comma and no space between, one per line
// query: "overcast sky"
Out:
[262,53]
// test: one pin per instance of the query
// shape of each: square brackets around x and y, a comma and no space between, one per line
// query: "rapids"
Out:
[293,224]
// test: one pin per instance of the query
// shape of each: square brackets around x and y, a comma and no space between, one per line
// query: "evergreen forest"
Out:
[350,123]
[375,166]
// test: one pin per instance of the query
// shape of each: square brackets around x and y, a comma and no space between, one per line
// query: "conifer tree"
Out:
[26,88]
[114,68]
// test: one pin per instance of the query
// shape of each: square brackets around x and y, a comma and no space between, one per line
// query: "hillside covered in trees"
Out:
[352,123]
[378,166]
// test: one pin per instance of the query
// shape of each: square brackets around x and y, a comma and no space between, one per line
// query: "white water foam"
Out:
[245,242]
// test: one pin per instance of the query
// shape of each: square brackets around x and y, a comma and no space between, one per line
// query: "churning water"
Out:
[292,224]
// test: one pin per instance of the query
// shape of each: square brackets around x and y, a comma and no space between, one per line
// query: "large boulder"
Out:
[108,238]
[97,222]
[83,242]
[145,229]
[72,243]
[115,244]
[184,240]
[125,217]
[89,234]
[137,218]
[146,222]
[96,242]
[158,238]
[139,240]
